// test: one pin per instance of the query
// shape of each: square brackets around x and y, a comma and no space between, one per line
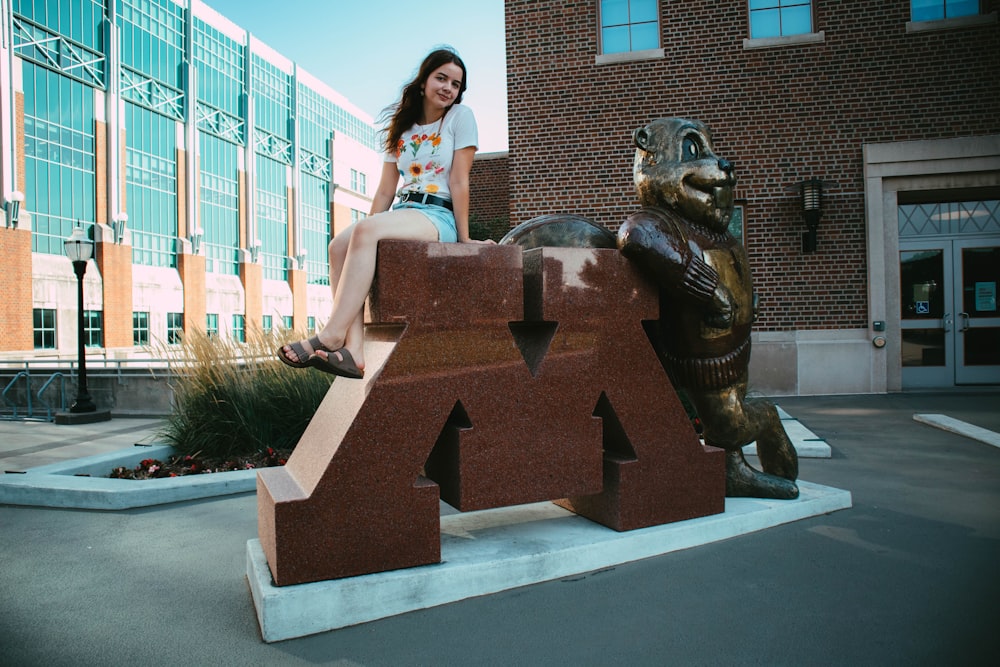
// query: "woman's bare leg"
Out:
[356,330]
[351,277]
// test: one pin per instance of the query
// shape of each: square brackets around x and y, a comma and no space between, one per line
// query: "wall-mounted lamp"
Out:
[255,251]
[300,259]
[118,227]
[195,239]
[811,192]
[13,205]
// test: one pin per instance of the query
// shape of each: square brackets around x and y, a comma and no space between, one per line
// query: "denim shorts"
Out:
[442,218]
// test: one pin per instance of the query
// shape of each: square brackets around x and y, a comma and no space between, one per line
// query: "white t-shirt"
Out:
[425,152]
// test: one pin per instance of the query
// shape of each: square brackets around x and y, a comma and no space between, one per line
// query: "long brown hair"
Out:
[405,113]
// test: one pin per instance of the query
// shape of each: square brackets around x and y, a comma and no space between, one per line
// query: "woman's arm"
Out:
[386,191]
[458,184]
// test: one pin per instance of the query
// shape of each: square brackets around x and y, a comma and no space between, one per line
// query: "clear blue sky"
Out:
[368,49]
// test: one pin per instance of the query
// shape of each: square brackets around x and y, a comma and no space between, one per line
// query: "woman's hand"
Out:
[478,242]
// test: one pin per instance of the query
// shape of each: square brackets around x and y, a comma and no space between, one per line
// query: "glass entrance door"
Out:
[949,318]
[977,322]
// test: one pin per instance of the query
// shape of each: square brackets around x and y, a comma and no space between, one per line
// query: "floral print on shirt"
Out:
[417,169]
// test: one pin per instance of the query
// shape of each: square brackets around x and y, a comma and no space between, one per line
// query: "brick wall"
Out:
[16,323]
[779,114]
[489,202]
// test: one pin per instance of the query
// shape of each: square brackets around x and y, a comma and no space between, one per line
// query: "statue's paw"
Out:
[743,481]
[778,458]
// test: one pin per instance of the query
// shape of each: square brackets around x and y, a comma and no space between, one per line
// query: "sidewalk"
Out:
[905,577]
[29,444]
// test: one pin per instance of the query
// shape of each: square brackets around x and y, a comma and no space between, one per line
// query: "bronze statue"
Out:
[680,241]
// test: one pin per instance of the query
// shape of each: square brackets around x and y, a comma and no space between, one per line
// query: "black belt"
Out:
[424,198]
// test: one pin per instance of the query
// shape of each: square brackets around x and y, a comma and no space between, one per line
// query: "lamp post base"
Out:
[69,418]
[83,403]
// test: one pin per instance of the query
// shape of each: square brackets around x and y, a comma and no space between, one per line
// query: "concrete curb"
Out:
[807,444]
[495,550]
[952,425]
[81,483]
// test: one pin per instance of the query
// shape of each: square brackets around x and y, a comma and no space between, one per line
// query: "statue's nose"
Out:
[726,166]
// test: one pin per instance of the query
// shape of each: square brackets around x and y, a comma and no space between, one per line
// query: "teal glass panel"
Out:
[219,195]
[151,186]
[776,18]
[220,65]
[765,23]
[272,93]
[318,117]
[272,216]
[645,36]
[955,8]
[615,40]
[152,33]
[59,156]
[926,10]
[316,228]
[65,36]
[643,11]
[614,12]
[934,10]
[796,20]
[79,20]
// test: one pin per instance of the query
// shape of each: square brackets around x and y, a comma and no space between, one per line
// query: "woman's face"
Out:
[442,87]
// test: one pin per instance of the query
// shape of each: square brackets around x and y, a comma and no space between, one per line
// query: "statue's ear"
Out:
[641,138]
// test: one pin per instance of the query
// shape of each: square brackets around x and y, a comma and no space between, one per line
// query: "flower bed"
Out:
[177,466]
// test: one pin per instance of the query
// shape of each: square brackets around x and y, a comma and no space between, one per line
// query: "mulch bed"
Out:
[177,466]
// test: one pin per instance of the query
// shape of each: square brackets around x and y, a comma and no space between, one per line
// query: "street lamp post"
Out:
[80,249]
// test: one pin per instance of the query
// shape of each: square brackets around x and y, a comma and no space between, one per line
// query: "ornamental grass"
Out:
[237,399]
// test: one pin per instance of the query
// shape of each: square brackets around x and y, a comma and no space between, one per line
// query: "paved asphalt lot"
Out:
[908,576]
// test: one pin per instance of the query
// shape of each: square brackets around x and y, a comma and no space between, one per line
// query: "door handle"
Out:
[947,322]
[965,322]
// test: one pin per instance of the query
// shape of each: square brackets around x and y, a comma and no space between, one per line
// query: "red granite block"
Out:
[655,468]
[503,386]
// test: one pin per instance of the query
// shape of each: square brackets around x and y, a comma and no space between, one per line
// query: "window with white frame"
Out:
[175,328]
[936,10]
[240,328]
[359,182]
[140,329]
[93,328]
[629,25]
[45,328]
[780,18]
[212,325]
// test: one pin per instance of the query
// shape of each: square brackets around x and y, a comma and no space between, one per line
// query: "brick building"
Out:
[490,206]
[894,105]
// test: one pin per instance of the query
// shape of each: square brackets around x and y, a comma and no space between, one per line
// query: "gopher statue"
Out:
[680,240]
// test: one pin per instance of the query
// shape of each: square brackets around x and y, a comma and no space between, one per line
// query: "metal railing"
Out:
[29,412]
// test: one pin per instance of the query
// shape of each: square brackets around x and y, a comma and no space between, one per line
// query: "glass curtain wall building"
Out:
[210,170]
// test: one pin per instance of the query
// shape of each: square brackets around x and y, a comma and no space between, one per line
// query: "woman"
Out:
[430,141]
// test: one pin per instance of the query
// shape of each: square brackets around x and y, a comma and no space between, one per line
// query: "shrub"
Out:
[234,399]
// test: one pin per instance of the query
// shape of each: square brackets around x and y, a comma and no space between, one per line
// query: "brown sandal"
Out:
[300,353]
[344,367]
